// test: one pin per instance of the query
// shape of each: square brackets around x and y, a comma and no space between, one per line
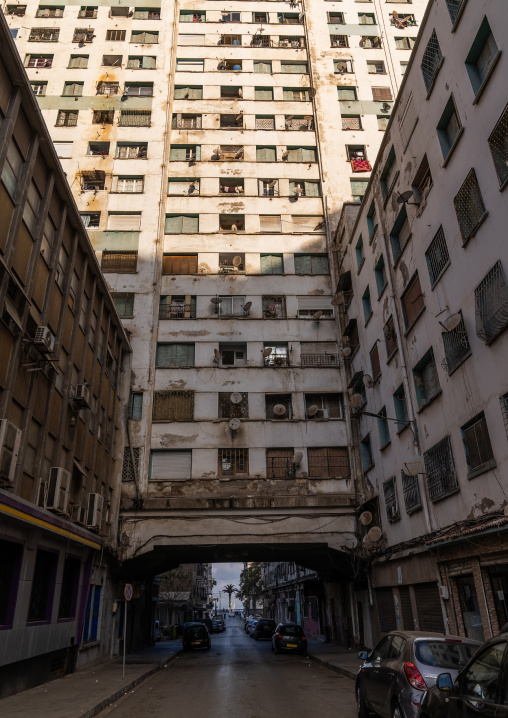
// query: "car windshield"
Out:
[292,631]
[265,623]
[444,654]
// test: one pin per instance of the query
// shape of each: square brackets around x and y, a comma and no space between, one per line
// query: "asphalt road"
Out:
[239,678]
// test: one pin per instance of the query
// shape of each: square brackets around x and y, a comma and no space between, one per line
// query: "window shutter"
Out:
[124,222]
[311,189]
[265,67]
[114,184]
[173,225]
[263,94]
[171,465]
[190,65]
[318,347]
[195,93]
[148,63]
[140,14]
[181,92]
[265,154]
[308,155]
[63,149]
[302,264]
[295,155]
[271,264]
[314,303]
[381,94]
[413,301]
[177,153]
[358,187]
[269,223]
[305,224]
[190,224]
[176,264]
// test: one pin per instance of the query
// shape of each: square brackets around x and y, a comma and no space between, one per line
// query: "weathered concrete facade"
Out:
[422,280]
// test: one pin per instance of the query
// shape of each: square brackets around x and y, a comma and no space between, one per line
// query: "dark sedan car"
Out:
[402,666]
[195,635]
[264,628]
[481,687]
[289,638]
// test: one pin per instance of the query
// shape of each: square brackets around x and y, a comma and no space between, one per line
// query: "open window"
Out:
[278,407]
[233,354]
[232,222]
[231,186]
[231,263]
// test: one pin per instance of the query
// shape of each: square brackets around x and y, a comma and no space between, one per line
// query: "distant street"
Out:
[241,678]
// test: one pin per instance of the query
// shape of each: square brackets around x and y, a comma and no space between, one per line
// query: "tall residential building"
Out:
[64,367]
[423,278]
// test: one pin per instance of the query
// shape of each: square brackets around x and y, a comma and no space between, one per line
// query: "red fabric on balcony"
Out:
[360,166]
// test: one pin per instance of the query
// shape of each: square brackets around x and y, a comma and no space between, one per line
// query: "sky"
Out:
[225,573]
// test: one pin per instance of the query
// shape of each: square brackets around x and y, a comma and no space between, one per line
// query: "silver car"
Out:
[402,666]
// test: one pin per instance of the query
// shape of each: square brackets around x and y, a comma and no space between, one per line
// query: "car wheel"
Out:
[360,703]
[397,710]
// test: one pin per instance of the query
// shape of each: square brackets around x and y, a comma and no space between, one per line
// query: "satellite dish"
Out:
[312,92]
[385,107]
[367,542]
[285,154]
[404,197]
[272,183]
[279,409]
[312,410]
[298,456]
[356,400]
[236,397]
[317,315]
[389,334]
[247,306]
[351,541]
[266,352]
[234,424]
[413,465]
[217,151]
[345,351]
[375,534]
[452,322]
[216,300]
[237,261]
[368,381]
[216,354]
[365,518]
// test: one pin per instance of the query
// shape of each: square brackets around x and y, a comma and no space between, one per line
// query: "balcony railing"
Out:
[320,359]
[177,311]
[277,360]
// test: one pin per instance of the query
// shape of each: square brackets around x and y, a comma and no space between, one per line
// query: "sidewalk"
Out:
[338,659]
[85,693]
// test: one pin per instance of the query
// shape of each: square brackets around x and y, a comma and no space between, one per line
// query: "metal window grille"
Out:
[469,206]
[456,347]
[504,411]
[328,462]
[411,489]
[233,462]
[442,477]
[491,304]
[265,123]
[413,301]
[129,471]
[391,503]
[83,34]
[44,34]
[431,60]
[108,88]
[229,410]
[119,261]
[339,40]
[103,117]
[291,41]
[278,357]
[66,118]
[301,123]
[135,118]
[453,8]
[115,35]
[498,143]
[437,256]
[260,41]
[326,359]
[131,151]
[124,303]
[351,123]
[279,464]
[274,307]
[174,309]
[173,406]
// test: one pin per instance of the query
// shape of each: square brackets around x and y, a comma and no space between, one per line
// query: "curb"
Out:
[338,669]
[106,702]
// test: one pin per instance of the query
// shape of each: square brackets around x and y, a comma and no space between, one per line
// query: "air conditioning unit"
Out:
[95,504]
[44,340]
[82,396]
[78,514]
[57,496]
[444,592]
[10,439]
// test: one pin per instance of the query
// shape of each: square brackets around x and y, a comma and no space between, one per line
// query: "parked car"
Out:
[289,638]
[208,623]
[252,626]
[264,628]
[195,635]
[481,687]
[216,627]
[402,666]
[249,621]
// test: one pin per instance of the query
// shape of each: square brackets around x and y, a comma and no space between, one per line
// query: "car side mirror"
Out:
[444,682]
[363,655]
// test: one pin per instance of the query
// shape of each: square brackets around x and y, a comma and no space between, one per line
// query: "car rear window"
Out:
[198,631]
[444,654]
[292,631]
[266,623]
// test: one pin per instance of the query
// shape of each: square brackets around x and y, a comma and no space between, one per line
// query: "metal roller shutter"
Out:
[406,608]
[171,464]
[386,610]
[314,303]
[430,615]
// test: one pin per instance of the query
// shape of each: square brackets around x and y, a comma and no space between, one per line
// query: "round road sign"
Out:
[127,592]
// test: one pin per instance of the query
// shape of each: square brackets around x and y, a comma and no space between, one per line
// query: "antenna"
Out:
[216,354]
[237,261]
[365,518]
[236,397]
[317,315]
[279,409]
[298,456]
[356,400]
[234,424]
[451,322]
[368,381]
[312,410]
[247,306]
[266,352]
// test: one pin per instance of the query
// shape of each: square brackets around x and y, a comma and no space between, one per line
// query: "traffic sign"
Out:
[127,592]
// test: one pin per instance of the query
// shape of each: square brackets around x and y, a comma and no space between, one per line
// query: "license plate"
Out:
[292,645]
[196,643]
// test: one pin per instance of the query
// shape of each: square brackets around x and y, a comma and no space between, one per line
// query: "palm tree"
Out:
[229,589]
